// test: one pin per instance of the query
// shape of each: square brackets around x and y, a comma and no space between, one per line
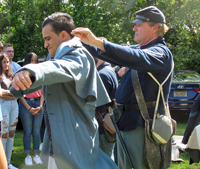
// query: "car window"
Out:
[185,76]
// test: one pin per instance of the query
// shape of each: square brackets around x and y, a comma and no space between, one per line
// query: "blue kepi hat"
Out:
[150,14]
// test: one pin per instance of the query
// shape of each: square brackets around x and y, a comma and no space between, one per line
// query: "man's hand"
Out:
[22,80]
[88,37]
[121,71]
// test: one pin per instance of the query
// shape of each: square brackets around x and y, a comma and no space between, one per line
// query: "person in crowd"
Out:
[110,82]
[9,50]
[1,48]
[150,55]
[72,89]
[193,121]
[31,119]
[9,108]
[3,161]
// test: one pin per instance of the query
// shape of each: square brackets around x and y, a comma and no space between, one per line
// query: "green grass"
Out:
[18,156]
[185,156]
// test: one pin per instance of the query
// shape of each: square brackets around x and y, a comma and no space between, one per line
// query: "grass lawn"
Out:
[185,156]
[18,156]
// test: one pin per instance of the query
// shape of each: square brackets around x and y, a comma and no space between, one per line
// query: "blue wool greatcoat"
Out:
[71,88]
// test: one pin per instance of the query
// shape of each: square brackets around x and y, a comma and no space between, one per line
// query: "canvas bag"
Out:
[156,155]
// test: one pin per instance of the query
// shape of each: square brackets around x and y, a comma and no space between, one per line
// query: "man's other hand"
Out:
[86,36]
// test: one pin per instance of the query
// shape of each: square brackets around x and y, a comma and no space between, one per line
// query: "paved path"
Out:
[177,138]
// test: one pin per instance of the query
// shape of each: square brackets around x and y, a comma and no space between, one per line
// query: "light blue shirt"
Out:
[14,66]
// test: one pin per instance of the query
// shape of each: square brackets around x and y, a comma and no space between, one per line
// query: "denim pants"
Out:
[9,123]
[31,126]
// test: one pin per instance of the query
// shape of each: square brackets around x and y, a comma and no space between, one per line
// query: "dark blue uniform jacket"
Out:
[154,57]
[110,82]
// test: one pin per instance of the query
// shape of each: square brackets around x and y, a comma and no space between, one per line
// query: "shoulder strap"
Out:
[139,95]
[160,92]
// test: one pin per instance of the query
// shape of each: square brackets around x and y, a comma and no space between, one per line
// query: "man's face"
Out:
[143,33]
[10,52]
[51,40]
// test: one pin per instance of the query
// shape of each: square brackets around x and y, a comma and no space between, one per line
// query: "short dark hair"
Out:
[60,22]
[7,45]
[28,58]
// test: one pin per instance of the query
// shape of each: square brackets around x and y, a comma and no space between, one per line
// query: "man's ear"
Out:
[64,36]
[155,27]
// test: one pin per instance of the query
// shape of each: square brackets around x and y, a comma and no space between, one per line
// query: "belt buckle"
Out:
[32,99]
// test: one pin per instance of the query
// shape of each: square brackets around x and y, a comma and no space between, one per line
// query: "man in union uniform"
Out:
[150,55]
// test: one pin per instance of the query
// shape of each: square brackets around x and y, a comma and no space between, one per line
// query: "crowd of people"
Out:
[28,108]
[73,90]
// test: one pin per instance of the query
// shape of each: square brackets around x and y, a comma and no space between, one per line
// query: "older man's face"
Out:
[144,33]
[10,52]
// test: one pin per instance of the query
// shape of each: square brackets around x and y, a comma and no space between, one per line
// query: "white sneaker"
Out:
[37,159]
[10,166]
[40,148]
[28,160]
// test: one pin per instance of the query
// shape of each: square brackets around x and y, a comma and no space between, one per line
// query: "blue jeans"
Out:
[31,126]
[10,119]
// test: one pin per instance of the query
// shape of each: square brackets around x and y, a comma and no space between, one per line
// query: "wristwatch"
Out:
[41,107]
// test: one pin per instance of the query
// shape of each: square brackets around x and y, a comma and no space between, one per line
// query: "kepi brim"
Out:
[138,21]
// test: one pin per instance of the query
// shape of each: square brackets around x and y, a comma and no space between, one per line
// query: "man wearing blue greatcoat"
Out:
[72,89]
[150,55]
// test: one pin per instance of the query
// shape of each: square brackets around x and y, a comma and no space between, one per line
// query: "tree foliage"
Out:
[20,24]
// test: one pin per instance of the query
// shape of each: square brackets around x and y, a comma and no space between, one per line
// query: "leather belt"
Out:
[149,105]
[33,99]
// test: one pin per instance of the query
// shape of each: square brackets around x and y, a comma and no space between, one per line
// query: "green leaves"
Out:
[20,24]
